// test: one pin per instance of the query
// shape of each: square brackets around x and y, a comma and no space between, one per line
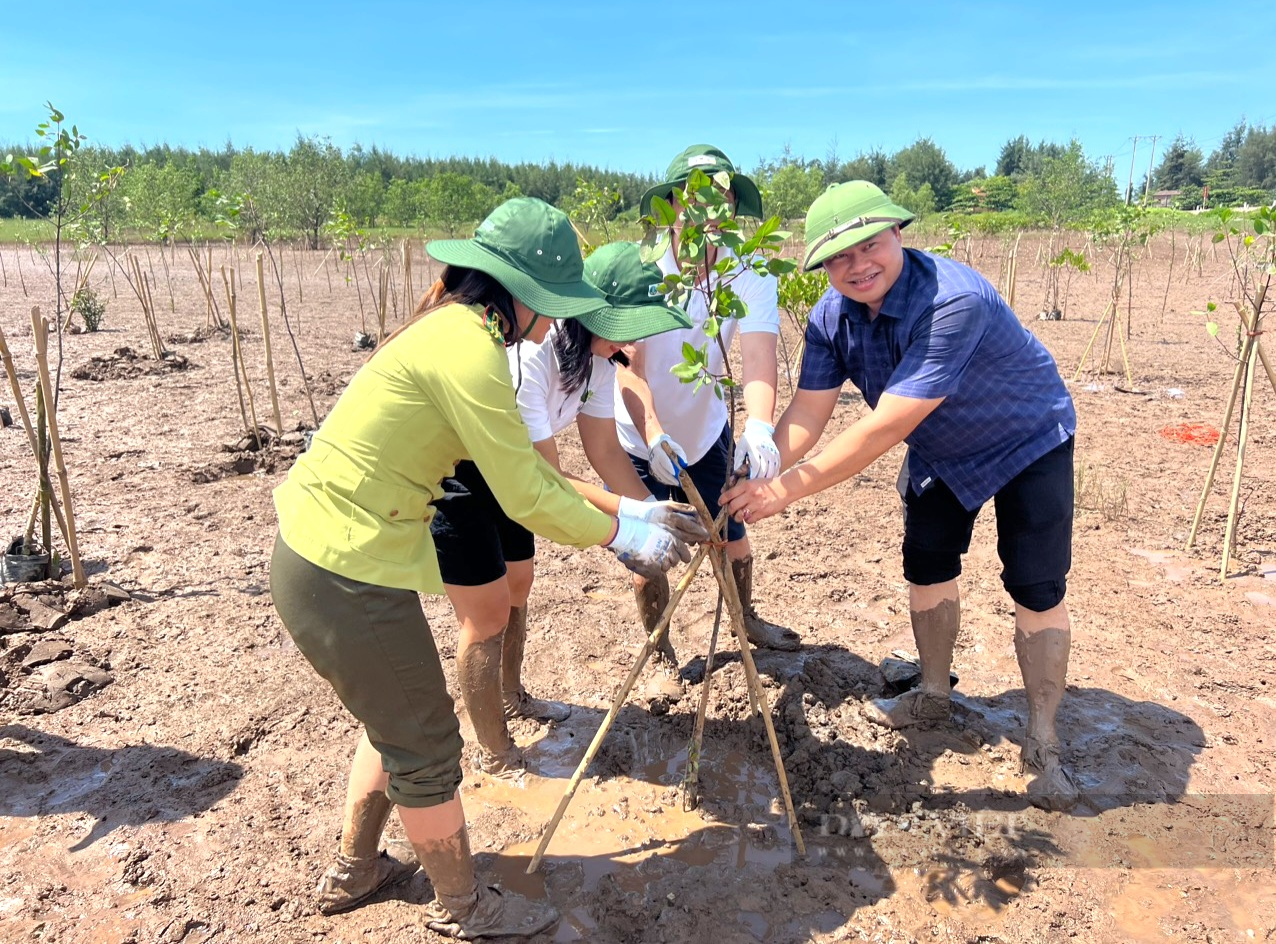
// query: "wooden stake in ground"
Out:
[265,334]
[40,324]
[237,357]
[734,607]
[617,703]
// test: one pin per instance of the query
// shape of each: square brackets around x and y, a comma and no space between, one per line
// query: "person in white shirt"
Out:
[653,407]
[487,559]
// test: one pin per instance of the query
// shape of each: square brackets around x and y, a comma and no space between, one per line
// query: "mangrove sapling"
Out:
[1251,246]
[711,252]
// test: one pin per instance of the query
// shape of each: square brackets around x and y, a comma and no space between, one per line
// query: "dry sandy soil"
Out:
[172,770]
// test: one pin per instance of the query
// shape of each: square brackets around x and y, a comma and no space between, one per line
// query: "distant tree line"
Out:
[168,192]
[1048,183]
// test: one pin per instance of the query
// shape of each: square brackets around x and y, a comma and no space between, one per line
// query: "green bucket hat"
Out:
[847,214]
[707,158]
[530,248]
[636,305]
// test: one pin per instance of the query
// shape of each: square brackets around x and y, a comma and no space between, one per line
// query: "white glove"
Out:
[675,517]
[646,549]
[758,446]
[661,467]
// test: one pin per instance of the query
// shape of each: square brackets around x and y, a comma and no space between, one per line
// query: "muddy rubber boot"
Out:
[360,871]
[465,909]
[912,707]
[517,703]
[762,634]
[1053,788]
[478,670]
[662,682]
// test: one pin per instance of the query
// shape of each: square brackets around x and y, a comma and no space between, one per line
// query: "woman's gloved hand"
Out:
[647,549]
[676,517]
[662,467]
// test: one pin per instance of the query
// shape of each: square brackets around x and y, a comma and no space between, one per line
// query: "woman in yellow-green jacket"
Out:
[354,547]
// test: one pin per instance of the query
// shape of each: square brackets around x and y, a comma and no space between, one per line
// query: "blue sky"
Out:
[628,86]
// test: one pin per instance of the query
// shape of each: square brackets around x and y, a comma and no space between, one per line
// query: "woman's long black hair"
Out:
[572,341]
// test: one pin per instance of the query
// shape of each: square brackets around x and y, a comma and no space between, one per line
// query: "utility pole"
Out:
[1129,186]
[1147,185]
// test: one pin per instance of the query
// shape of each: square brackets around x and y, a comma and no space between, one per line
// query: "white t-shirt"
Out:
[545,407]
[695,420]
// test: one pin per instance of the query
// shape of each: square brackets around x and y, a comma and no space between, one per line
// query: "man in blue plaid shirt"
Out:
[945,366]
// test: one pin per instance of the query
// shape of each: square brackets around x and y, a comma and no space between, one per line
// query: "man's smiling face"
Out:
[866,271]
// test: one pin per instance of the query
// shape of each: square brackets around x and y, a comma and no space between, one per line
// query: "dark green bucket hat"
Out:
[707,158]
[847,214]
[530,248]
[636,306]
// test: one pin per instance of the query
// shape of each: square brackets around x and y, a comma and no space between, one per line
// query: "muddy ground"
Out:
[172,770]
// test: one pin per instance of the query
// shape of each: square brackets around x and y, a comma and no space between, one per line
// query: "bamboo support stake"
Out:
[734,607]
[1242,440]
[407,278]
[691,782]
[237,356]
[1218,448]
[265,334]
[384,290]
[41,326]
[617,703]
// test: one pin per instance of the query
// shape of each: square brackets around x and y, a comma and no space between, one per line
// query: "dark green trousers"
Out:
[375,648]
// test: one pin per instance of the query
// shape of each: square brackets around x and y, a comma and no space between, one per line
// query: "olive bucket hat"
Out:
[710,160]
[531,249]
[636,305]
[847,214]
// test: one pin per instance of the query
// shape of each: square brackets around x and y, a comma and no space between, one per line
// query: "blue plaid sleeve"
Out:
[823,366]
[940,346]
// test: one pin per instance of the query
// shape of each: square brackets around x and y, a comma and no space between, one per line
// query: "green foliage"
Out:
[1068,187]
[454,200]
[711,250]
[800,291]
[1019,158]
[162,201]
[592,206]
[1182,166]
[90,308]
[921,202]
[983,194]
[925,164]
[789,191]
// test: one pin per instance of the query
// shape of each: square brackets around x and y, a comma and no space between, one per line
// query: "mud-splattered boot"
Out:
[761,633]
[479,674]
[466,909]
[1053,788]
[662,669]
[359,871]
[519,704]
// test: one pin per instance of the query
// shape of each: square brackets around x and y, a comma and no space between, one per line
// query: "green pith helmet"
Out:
[707,158]
[847,214]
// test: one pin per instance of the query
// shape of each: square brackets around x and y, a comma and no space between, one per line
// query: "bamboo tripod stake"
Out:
[1243,389]
[237,355]
[757,696]
[40,324]
[265,333]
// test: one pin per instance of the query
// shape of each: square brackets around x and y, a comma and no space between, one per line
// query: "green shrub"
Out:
[89,307]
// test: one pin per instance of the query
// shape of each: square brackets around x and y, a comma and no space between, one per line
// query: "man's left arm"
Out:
[850,452]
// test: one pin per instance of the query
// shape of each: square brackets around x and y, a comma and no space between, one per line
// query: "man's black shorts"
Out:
[1034,529]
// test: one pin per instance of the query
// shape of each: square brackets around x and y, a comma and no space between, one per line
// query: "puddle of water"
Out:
[1175,569]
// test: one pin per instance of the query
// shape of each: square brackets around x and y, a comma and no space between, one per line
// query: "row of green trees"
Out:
[167,192]
[1047,181]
